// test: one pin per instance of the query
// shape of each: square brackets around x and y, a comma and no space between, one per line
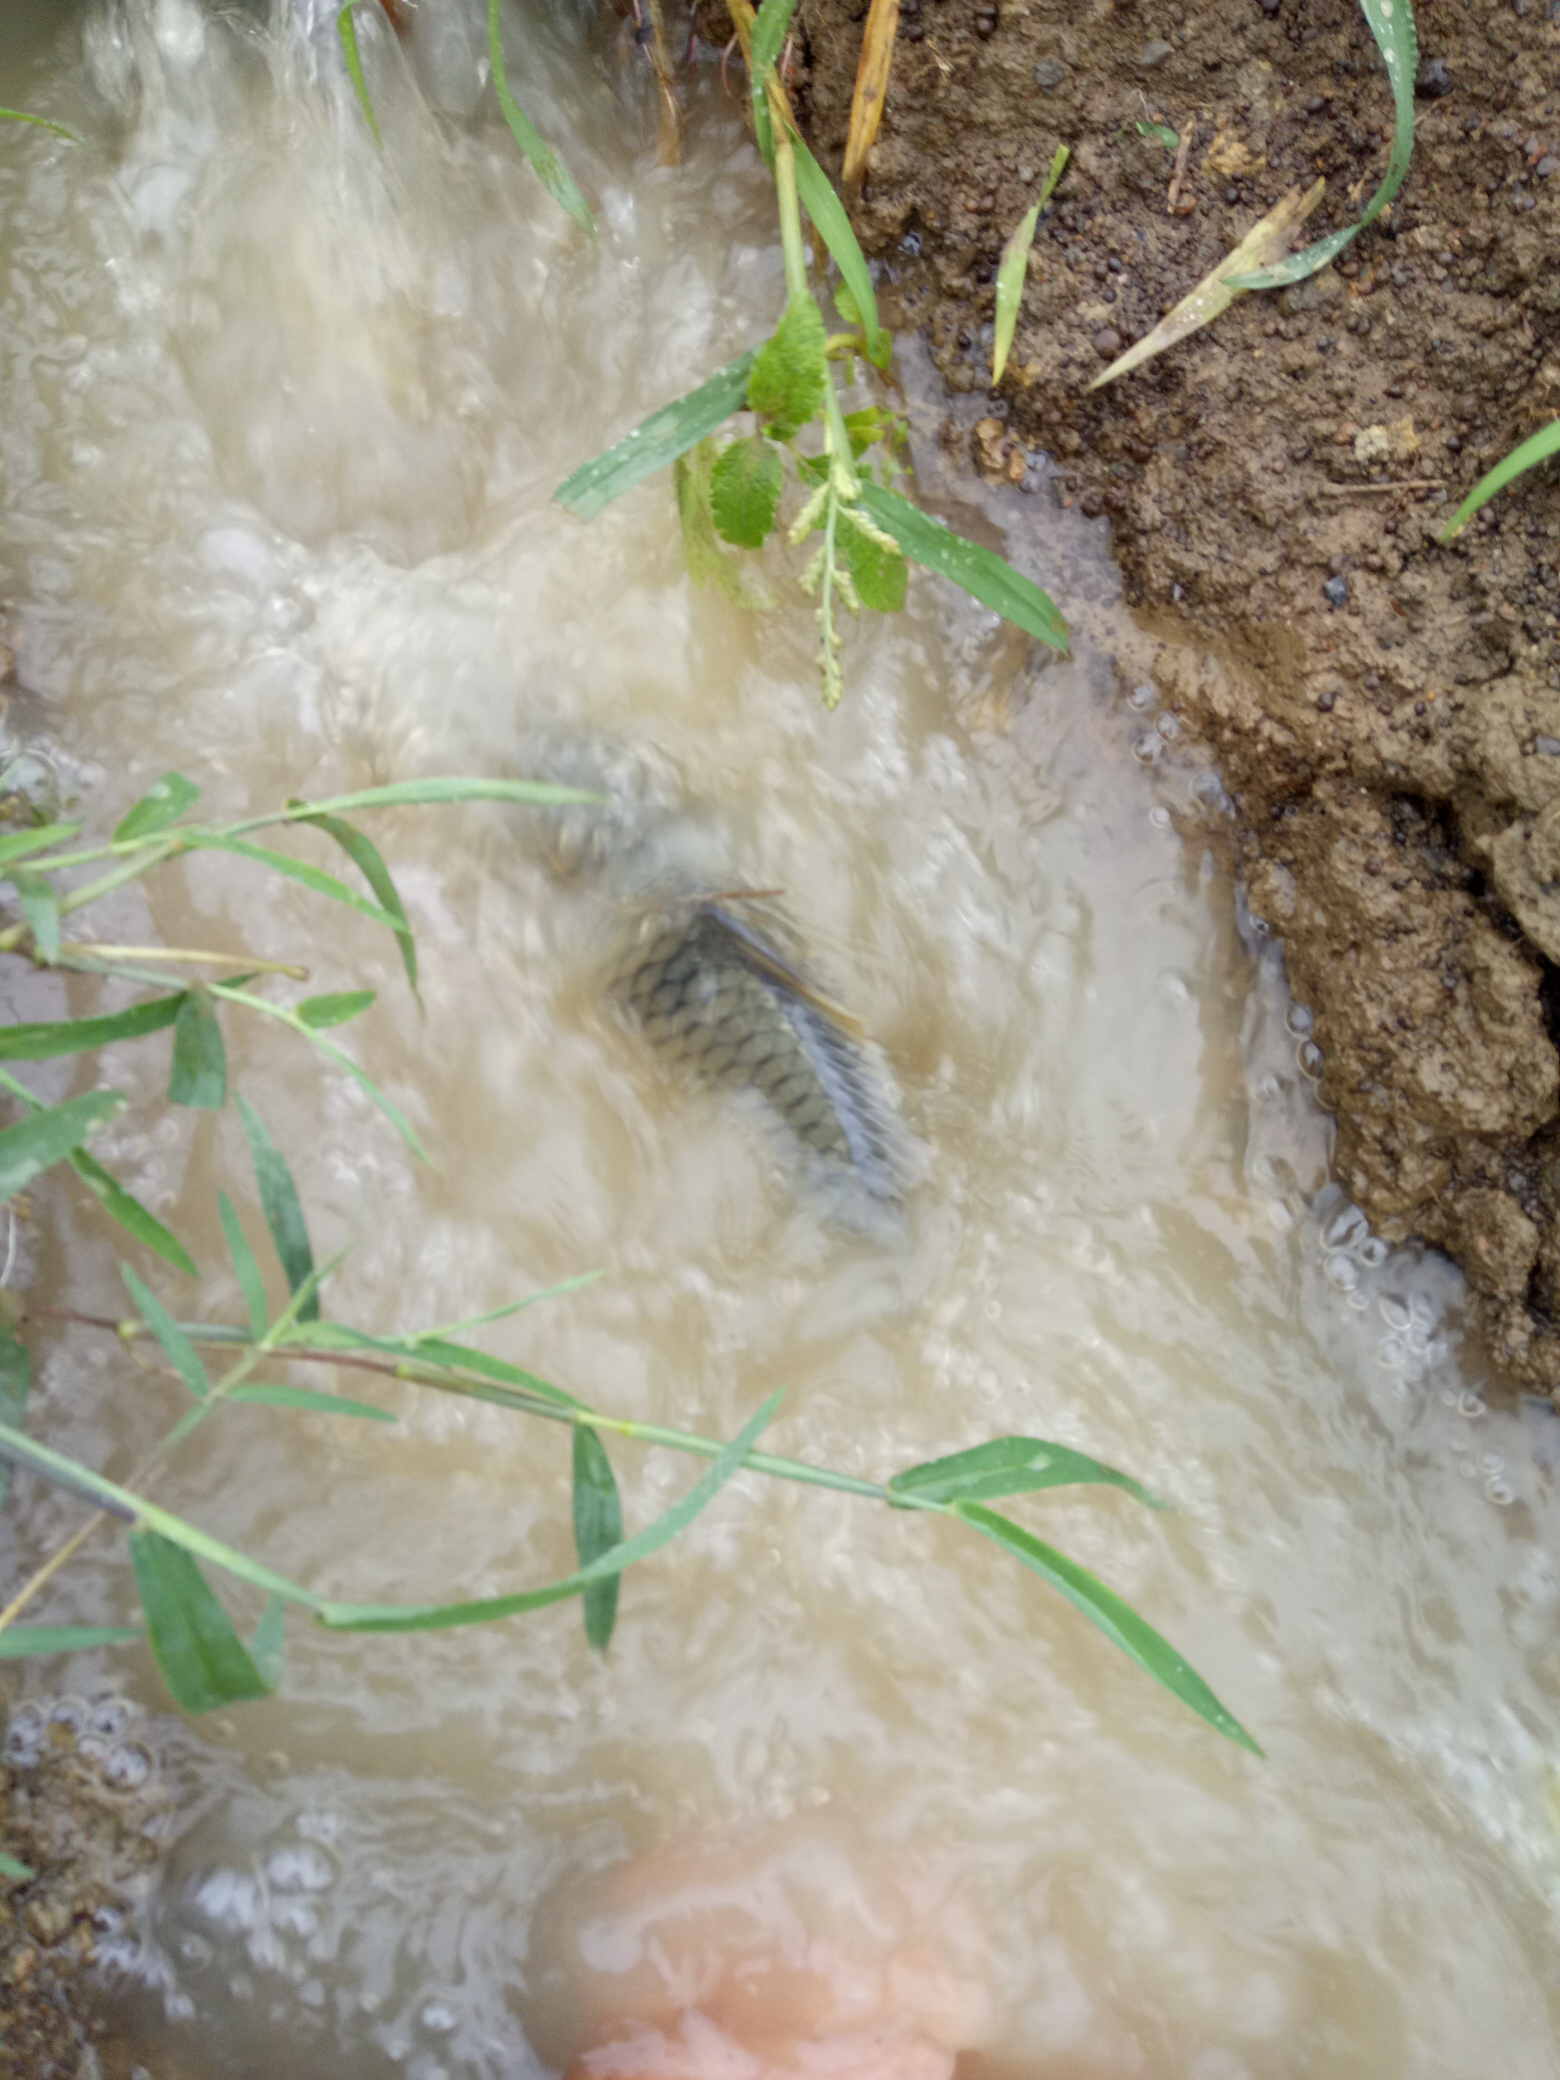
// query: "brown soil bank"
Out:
[1386,712]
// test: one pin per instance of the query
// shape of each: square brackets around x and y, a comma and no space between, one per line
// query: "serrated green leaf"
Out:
[48,1136]
[17,1642]
[707,561]
[283,1209]
[1117,1619]
[745,486]
[182,1354]
[980,572]
[791,369]
[368,1617]
[555,176]
[199,1073]
[313,1403]
[1010,1466]
[880,574]
[203,1661]
[598,1527]
[320,1012]
[366,857]
[15,1380]
[37,1043]
[1391,22]
[40,907]
[250,1281]
[158,807]
[658,440]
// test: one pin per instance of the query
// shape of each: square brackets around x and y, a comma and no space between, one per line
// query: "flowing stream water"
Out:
[281,419]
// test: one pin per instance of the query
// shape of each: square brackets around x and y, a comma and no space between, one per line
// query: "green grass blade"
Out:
[282,1207]
[40,905]
[22,115]
[10,1867]
[401,794]
[556,177]
[1117,1619]
[499,1314]
[834,228]
[131,1215]
[346,28]
[49,1135]
[980,572]
[300,870]
[199,1073]
[39,1043]
[1009,1466]
[15,1383]
[305,1398]
[598,1527]
[251,1282]
[1536,449]
[266,1648]
[369,1617]
[158,807]
[658,440]
[361,1077]
[319,1012]
[19,1641]
[1391,22]
[366,857]
[182,1354]
[1012,273]
[22,844]
[203,1661]
[769,32]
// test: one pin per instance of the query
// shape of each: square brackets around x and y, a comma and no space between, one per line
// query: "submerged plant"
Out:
[198,1648]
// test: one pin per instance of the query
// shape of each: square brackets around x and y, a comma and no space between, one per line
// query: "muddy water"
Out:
[281,420]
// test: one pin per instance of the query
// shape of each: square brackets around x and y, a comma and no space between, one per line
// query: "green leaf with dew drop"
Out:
[181,1353]
[203,1661]
[49,1135]
[771,22]
[598,1527]
[745,487]
[1010,1466]
[791,370]
[555,176]
[199,1073]
[1535,449]
[658,440]
[158,807]
[980,572]
[282,1207]
[1391,22]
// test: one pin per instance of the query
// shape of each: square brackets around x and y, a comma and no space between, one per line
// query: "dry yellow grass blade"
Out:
[866,107]
[1261,246]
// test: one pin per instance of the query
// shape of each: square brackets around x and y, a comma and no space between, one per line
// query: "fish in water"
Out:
[717,985]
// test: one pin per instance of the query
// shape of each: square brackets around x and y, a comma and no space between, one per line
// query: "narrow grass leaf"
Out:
[199,1073]
[871,90]
[19,1641]
[769,32]
[1392,24]
[368,1617]
[203,1661]
[1217,291]
[38,1043]
[1013,272]
[22,844]
[332,1052]
[834,228]
[22,115]
[300,870]
[980,572]
[347,30]
[555,176]
[320,1012]
[366,857]
[498,1314]
[598,1527]
[15,1381]
[158,807]
[745,487]
[439,1352]
[1536,449]
[250,1280]
[49,1135]
[131,1215]
[266,1648]
[305,1398]
[182,1354]
[280,1204]
[1010,1466]
[442,788]
[656,441]
[1117,1619]
[10,1867]
[76,1479]
[40,907]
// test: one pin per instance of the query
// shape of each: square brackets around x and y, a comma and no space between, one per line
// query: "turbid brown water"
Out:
[281,420]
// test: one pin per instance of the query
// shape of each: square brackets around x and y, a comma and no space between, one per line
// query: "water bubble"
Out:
[294,1916]
[1148,748]
[1299,1020]
[1142,698]
[109,1718]
[1500,1492]
[69,1714]
[1168,725]
[195,1949]
[1160,817]
[1347,1228]
[1394,1353]
[1373,1251]
[127,1767]
[306,1869]
[439,2018]
[1342,1271]
[1393,1312]
[1470,1406]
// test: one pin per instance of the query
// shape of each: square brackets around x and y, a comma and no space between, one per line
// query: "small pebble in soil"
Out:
[1049,75]
[1270,7]
[1433,79]
[1546,166]
[1107,344]
[1152,54]
[1337,591]
[986,22]
[1547,747]
[1327,701]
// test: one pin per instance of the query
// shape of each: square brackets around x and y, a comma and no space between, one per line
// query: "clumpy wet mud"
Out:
[1385,711]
